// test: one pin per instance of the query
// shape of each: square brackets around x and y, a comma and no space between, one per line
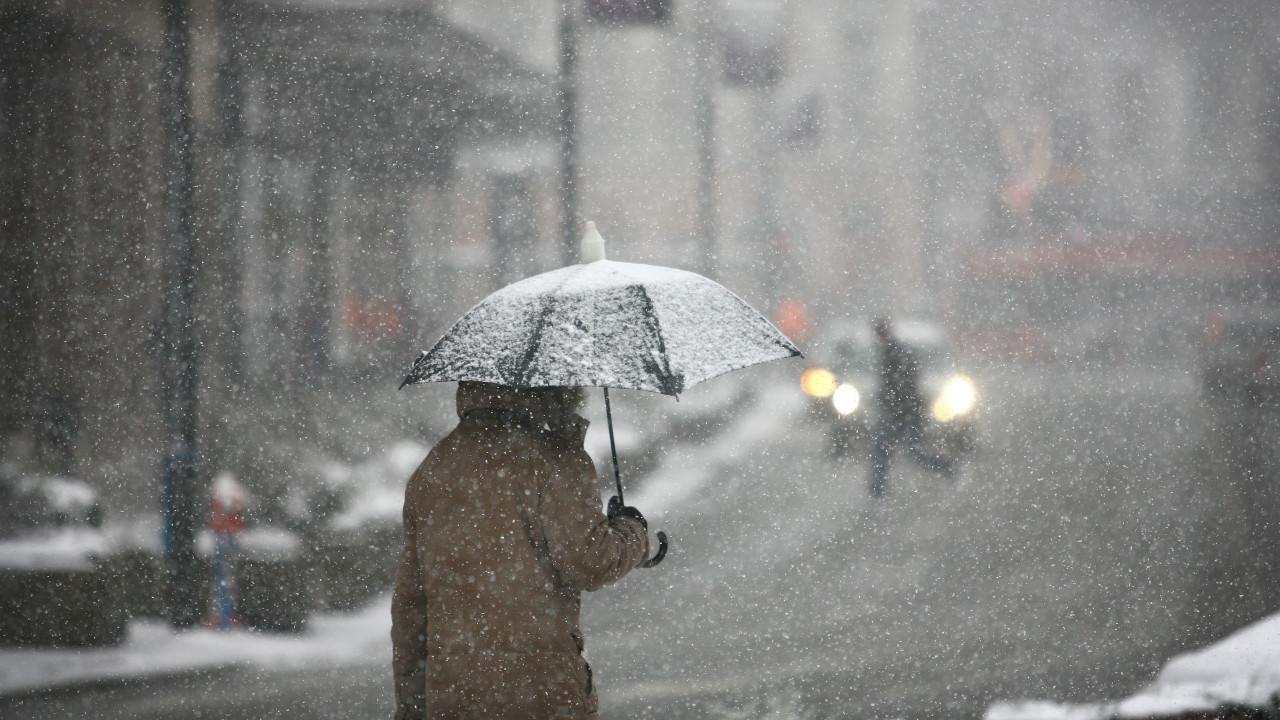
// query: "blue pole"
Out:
[222,582]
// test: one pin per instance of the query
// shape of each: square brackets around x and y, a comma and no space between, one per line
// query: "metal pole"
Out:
[705,111]
[316,311]
[181,496]
[568,135]
[617,477]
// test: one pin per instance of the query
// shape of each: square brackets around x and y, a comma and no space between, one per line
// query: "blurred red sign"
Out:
[792,319]
[370,318]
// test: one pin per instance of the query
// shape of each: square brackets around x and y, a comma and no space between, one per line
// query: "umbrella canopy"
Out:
[604,324]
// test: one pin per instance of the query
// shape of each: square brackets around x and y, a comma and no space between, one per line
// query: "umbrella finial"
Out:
[591,248]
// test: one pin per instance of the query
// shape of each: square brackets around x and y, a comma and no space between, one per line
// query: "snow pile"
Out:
[262,542]
[58,549]
[1240,670]
[678,481]
[376,505]
[374,488]
[627,437]
[153,649]
[68,495]
[227,493]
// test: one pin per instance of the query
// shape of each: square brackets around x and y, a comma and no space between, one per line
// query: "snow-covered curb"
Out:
[1243,669]
[154,649]
[59,549]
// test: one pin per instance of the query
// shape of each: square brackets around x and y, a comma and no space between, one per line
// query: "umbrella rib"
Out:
[535,339]
[673,387]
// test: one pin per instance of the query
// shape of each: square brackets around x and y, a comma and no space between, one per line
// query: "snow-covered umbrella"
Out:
[604,324]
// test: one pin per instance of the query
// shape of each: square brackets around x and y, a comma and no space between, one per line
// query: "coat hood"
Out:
[478,395]
[551,406]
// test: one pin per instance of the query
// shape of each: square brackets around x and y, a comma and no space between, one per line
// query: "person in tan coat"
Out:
[502,532]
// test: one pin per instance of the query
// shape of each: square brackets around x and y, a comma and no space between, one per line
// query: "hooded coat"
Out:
[502,532]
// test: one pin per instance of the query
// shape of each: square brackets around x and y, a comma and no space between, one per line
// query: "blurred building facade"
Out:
[867,153]
[81,237]
[332,146]
[367,170]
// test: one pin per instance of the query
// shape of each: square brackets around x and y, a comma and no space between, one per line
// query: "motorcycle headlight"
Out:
[957,399]
[818,383]
[845,399]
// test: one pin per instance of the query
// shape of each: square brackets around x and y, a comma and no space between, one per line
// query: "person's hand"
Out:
[616,508]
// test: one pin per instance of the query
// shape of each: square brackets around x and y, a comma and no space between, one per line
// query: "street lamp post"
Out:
[568,134]
[181,498]
[705,118]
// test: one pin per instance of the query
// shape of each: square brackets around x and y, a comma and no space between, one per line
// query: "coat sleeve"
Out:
[587,549]
[409,622]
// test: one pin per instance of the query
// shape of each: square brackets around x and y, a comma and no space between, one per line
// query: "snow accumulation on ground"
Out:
[1243,669]
[678,480]
[154,649]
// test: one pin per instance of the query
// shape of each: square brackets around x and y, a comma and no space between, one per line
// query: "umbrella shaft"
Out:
[608,414]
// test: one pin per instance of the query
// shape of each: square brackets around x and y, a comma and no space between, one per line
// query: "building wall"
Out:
[81,241]
[1153,110]
[284,239]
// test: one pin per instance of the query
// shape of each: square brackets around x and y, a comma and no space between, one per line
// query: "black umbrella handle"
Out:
[617,479]
[662,552]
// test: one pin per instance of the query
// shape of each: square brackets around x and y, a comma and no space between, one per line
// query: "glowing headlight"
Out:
[957,398]
[845,399]
[818,383]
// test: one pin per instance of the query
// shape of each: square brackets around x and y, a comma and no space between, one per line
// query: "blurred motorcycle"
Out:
[841,388]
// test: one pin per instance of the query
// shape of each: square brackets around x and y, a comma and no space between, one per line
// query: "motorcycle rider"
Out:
[901,418]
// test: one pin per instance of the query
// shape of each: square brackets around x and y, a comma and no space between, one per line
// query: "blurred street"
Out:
[228,227]
[1068,563]
[1064,566]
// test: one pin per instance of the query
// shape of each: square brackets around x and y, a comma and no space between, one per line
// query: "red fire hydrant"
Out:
[228,503]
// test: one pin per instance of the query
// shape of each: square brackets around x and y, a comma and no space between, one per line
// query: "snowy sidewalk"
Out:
[154,649]
[1242,670]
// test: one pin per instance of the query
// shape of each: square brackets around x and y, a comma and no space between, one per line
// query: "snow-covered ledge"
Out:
[1242,670]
